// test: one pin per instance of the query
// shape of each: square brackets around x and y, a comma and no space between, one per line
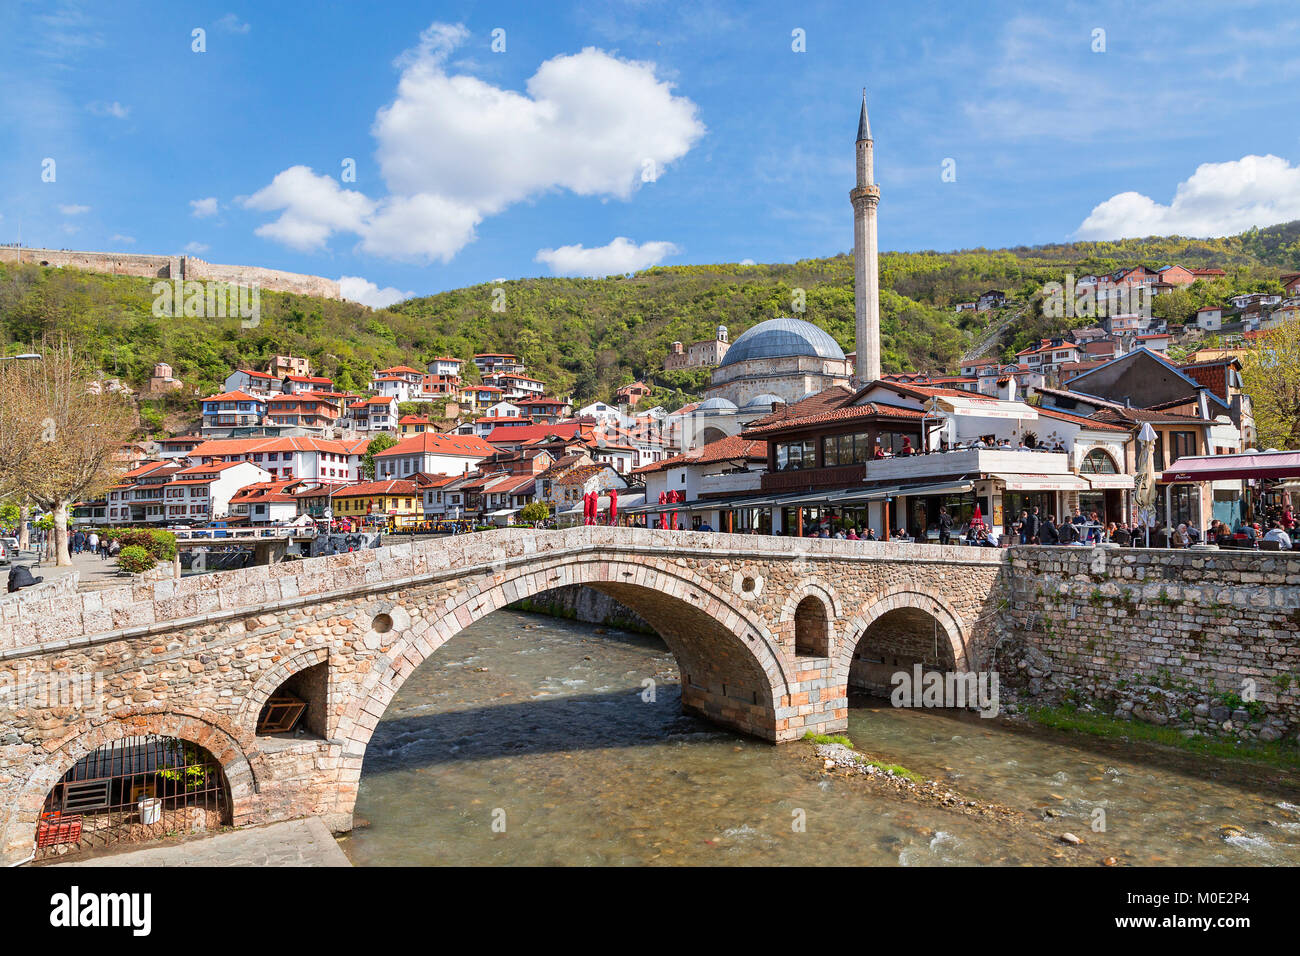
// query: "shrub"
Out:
[534,512]
[135,559]
[159,543]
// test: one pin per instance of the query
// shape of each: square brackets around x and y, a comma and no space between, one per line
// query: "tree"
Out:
[534,512]
[1270,372]
[380,442]
[58,430]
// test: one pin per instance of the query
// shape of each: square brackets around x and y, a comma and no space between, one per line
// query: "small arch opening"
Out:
[133,790]
[299,706]
[811,628]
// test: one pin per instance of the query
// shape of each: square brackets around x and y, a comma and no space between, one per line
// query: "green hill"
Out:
[586,337]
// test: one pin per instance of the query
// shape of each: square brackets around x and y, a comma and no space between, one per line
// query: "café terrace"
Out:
[889,456]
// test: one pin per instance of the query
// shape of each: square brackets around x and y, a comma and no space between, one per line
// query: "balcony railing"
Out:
[797,479]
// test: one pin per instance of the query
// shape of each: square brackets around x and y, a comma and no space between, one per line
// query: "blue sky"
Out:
[607,136]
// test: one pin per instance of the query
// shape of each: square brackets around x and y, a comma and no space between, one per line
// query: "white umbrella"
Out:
[1144,483]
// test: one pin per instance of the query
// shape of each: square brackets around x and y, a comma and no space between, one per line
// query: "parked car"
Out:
[11,543]
[7,554]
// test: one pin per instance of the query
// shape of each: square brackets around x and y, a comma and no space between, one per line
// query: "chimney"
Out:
[1007,389]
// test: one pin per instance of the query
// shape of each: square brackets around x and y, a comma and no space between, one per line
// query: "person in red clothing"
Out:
[1288,519]
[907,448]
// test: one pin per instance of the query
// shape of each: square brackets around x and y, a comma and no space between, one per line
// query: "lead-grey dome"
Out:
[767,398]
[780,338]
[716,405]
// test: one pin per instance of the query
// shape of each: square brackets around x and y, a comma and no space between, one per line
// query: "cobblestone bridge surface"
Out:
[766,632]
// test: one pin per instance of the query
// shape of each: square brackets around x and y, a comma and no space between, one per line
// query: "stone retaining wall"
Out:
[1191,638]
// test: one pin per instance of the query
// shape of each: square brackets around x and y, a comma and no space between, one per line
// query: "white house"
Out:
[322,459]
[433,453]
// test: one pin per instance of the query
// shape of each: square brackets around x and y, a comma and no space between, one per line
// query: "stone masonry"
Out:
[198,657]
[1205,640]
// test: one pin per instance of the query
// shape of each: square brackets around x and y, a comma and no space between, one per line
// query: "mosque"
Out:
[784,360]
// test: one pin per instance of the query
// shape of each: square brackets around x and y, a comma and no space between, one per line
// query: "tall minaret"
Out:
[866,273]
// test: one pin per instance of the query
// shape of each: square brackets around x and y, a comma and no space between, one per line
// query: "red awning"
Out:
[1275,464]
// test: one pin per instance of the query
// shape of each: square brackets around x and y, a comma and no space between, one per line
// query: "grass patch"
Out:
[828,739]
[1282,754]
[896,770]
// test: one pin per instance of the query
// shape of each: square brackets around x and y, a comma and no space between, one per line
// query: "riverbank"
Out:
[1275,761]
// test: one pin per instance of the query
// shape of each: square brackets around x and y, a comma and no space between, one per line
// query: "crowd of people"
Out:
[91,542]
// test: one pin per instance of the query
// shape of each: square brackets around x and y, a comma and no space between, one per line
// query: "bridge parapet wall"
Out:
[58,622]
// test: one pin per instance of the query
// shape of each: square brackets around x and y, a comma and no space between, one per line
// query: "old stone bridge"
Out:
[768,634]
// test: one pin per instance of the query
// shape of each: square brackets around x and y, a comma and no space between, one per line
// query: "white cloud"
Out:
[746,262]
[114,109]
[1219,199]
[357,289]
[314,207]
[454,149]
[232,24]
[74,210]
[621,255]
[204,207]
[196,248]
[118,237]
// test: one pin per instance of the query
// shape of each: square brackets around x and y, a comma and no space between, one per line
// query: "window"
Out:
[1098,462]
[791,456]
[846,449]
[1183,444]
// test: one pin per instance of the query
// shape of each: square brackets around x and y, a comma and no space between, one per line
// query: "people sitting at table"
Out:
[1278,533]
[879,452]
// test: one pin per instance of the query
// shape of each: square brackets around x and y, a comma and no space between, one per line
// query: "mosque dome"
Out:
[782,338]
[765,400]
[716,406]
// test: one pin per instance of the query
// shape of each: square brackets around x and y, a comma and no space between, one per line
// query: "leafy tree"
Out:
[1270,372]
[57,434]
[381,442]
[534,512]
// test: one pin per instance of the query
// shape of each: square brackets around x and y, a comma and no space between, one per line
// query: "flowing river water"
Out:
[528,740]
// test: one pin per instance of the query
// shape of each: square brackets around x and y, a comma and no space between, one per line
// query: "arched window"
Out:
[1099,462]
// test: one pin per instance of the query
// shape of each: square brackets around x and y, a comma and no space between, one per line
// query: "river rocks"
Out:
[1070,838]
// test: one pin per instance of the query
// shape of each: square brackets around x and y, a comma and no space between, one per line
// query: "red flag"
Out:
[613,505]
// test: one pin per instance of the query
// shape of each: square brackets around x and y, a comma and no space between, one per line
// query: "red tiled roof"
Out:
[1081,420]
[732,448]
[220,447]
[264,491]
[439,443]
[215,466]
[847,413]
[522,433]
[235,396]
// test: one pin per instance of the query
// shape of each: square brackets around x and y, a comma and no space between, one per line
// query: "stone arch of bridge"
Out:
[905,607]
[214,734]
[269,682]
[731,666]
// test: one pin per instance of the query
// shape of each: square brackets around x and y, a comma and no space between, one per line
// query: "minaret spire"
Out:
[866,279]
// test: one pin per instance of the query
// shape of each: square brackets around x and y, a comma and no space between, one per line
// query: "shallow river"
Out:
[526,740]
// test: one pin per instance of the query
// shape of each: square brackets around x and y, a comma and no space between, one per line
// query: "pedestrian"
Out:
[1033,524]
[945,525]
[1047,533]
[92,543]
